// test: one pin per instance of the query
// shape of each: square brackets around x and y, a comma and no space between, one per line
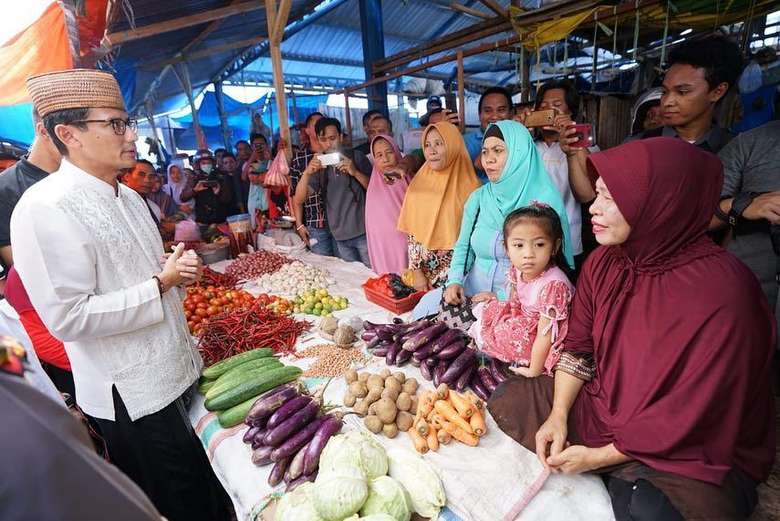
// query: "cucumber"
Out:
[236,414]
[253,386]
[225,365]
[235,378]
[257,363]
[204,387]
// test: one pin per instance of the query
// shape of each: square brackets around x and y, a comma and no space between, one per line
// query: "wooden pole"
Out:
[183,75]
[347,115]
[278,19]
[461,93]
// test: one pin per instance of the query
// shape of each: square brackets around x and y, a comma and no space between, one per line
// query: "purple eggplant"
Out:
[373,343]
[370,325]
[424,352]
[385,333]
[486,379]
[403,357]
[300,481]
[381,352]
[368,335]
[446,339]
[426,371]
[441,367]
[299,439]
[456,368]
[287,410]
[249,435]
[268,403]
[259,438]
[262,456]
[392,354]
[431,362]
[291,425]
[311,460]
[295,470]
[479,389]
[277,473]
[452,351]
[465,378]
[415,362]
[496,372]
[426,335]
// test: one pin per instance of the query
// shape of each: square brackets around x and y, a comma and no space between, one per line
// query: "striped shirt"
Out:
[313,209]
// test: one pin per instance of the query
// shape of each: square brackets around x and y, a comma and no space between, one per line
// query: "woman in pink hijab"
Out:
[387,247]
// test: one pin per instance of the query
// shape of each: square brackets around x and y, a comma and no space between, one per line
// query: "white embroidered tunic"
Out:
[86,255]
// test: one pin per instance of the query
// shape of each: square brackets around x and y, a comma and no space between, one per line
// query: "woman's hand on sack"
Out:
[483,296]
[551,438]
[575,459]
[454,295]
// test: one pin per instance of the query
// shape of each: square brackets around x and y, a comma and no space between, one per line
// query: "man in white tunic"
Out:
[89,255]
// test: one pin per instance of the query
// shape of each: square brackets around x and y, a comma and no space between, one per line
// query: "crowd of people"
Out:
[633,291]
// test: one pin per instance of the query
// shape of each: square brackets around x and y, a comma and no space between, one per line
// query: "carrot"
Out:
[461,404]
[444,436]
[448,413]
[436,420]
[426,404]
[459,434]
[419,442]
[423,428]
[477,422]
[474,399]
[442,391]
[432,440]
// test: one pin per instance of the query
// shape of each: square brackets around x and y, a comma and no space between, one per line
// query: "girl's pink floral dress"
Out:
[507,329]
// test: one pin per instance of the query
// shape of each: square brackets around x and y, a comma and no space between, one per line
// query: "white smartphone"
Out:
[334,158]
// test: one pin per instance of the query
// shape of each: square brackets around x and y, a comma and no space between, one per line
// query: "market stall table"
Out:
[482,483]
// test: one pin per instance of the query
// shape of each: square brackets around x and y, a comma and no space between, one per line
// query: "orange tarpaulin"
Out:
[42,47]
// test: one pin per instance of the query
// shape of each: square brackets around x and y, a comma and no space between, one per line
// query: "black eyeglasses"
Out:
[120,125]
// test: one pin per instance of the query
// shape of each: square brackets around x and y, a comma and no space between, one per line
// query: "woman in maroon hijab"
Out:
[664,386]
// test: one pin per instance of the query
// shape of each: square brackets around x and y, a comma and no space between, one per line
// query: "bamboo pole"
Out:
[183,75]
[347,116]
[461,93]
[279,19]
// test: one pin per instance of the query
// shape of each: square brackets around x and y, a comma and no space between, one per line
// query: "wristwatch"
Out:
[738,205]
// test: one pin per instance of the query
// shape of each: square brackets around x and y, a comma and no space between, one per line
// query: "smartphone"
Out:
[540,118]
[211,184]
[584,135]
[334,158]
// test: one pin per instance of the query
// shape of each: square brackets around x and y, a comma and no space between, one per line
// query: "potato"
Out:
[410,386]
[373,424]
[373,395]
[401,377]
[404,402]
[350,376]
[375,381]
[390,430]
[384,373]
[392,383]
[391,394]
[349,399]
[363,377]
[372,409]
[386,410]
[359,389]
[361,408]
[413,407]
[404,421]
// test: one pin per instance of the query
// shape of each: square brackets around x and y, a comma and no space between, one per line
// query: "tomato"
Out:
[191,324]
[198,298]
[190,306]
[187,314]
[196,319]
[212,310]
[201,312]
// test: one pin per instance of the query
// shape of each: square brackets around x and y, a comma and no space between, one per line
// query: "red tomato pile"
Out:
[279,305]
[202,303]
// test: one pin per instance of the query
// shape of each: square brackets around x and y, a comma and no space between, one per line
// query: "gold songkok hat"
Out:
[74,89]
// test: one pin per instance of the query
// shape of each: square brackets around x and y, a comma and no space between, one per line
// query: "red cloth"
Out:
[678,328]
[48,348]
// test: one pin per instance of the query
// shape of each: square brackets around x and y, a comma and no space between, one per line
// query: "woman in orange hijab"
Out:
[433,206]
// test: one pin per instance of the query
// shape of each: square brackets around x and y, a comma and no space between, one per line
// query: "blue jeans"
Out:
[354,250]
[325,244]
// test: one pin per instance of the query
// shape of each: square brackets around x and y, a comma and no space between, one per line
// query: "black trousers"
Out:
[639,501]
[162,454]
[61,378]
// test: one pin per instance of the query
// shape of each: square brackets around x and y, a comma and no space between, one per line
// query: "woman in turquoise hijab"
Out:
[479,260]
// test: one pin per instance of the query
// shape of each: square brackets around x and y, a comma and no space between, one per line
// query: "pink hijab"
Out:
[387,247]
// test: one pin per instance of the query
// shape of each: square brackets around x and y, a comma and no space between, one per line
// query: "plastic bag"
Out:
[278,171]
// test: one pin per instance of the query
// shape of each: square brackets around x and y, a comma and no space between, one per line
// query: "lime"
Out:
[317,312]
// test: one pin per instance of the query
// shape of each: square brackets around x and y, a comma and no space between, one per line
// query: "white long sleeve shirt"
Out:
[557,166]
[86,254]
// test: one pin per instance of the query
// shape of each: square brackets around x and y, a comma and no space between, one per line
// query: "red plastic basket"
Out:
[396,306]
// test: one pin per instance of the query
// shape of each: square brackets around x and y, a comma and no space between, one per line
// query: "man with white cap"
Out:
[88,253]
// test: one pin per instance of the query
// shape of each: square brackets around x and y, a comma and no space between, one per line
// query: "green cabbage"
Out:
[298,505]
[373,457]
[377,517]
[340,493]
[387,496]
[420,481]
[356,449]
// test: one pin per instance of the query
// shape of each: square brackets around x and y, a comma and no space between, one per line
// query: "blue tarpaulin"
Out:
[16,123]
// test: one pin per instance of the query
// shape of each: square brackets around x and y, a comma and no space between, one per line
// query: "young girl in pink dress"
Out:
[527,331]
